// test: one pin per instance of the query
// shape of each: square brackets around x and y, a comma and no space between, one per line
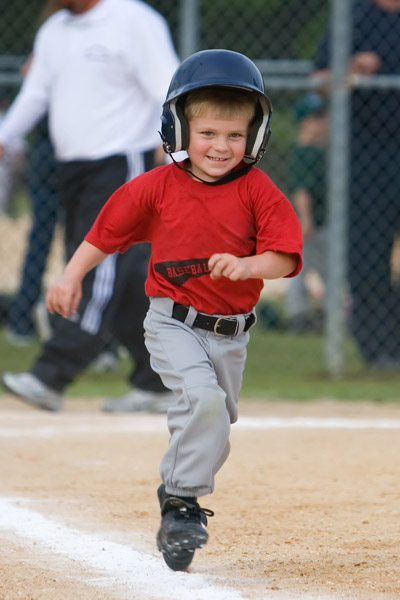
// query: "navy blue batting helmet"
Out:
[215,68]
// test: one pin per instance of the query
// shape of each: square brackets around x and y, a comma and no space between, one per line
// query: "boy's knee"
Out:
[210,402]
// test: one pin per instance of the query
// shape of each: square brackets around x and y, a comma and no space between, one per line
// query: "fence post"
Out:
[189,27]
[338,184]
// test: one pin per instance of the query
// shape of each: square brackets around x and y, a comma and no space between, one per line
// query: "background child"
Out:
[308,193]
[218,227]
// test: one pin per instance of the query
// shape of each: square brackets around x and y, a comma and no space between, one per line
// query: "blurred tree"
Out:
[264,28]
[258,28]
[18,24]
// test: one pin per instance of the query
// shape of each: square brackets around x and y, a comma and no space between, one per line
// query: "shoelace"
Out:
[185,507]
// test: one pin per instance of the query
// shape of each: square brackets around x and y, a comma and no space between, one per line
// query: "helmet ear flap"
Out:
[167,132]
[260,132]
[174,126]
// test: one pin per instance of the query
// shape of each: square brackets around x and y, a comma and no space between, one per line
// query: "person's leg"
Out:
[129,311]
[75,342]
[298,303]
[129,308]
[318,260]
[374,220]
[130,305]
[45,207]
[318,263]
[297,295]
[297,300]
[205,373]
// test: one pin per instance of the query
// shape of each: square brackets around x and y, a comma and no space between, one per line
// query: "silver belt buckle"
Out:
[223,319]
[216,326]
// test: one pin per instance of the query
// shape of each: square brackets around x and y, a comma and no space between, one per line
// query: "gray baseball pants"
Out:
[205,371]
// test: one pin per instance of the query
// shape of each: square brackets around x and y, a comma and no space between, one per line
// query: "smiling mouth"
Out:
[216,159]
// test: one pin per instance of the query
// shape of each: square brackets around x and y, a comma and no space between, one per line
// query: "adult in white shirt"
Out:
[100,70]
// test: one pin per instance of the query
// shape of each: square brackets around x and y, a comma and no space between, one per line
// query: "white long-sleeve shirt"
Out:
[102,76]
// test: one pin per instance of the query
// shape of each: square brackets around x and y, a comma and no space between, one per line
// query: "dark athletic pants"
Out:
[374,221]
[113,298]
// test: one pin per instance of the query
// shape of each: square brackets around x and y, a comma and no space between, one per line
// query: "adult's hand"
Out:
[365,63]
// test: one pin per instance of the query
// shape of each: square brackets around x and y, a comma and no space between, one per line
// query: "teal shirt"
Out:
[306,171]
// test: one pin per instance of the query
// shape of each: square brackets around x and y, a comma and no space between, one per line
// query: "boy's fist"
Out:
[227,265]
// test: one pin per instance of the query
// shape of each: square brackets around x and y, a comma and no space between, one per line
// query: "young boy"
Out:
[218,227]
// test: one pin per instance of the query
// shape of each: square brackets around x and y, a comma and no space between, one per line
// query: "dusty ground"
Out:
[299,512]
[13,239]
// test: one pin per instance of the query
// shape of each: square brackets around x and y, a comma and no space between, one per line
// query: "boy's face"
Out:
[216,146]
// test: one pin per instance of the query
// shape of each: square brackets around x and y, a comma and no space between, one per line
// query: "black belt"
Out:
[219,325]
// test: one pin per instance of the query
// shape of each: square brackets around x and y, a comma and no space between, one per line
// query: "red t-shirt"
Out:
[187,221]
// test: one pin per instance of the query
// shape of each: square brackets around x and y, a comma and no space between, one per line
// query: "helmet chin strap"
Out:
[225,179]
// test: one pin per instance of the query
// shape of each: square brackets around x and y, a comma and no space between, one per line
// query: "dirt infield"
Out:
[307,506]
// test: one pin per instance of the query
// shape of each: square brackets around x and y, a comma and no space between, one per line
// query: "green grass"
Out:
[280,365]
[88,384]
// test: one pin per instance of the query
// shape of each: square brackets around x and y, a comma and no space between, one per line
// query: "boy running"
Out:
[218,227]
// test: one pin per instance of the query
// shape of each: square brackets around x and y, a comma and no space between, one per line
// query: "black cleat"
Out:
[182,530]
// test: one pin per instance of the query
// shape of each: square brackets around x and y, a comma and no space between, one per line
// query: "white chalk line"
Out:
[116,566]
[67,425]
[316,423]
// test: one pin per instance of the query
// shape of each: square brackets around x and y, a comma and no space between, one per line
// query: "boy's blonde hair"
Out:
[220,103]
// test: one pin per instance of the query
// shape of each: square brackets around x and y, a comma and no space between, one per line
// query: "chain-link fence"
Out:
[334,151]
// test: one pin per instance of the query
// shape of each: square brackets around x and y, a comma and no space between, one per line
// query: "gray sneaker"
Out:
[140,401]
[19,340]
[105,362]
[30,389]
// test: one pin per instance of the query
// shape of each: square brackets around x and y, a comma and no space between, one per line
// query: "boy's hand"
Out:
[64,297]
[227,265]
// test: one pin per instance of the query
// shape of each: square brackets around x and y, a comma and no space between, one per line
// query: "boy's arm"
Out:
[269,265]
[65,295]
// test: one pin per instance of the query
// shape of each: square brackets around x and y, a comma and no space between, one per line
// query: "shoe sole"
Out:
[179,562]
[34,402]
[178,548]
